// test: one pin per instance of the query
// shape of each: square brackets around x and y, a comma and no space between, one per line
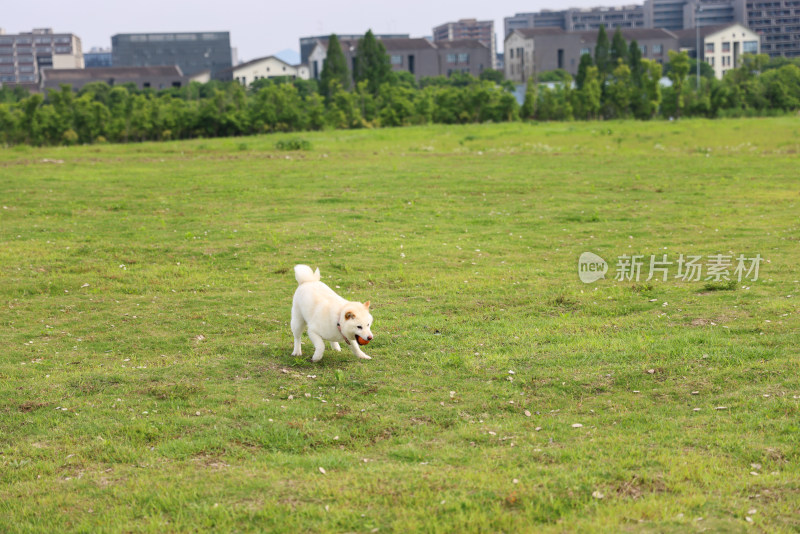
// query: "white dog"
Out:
[329,317]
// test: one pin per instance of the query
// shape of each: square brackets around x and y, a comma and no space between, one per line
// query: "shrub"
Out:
[293,144]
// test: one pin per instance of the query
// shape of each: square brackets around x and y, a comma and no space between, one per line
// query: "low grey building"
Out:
[531,51]
[193,52]
[144,77]
[419,56]
[307,44]
[467,55]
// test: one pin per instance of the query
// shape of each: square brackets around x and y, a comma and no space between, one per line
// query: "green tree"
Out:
[590,93]
[619,50]
[528,110]
[372,63]
[635,63]
[585,63]
[554,104]
[334,69]
[782,87]
[648,96]
[556,75]
[315,107]
[601,53]
[493,75]
[620,90]
[678,69]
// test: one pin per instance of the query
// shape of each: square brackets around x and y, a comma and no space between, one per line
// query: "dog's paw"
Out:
[336,347]
[297,353]
[364,356]
[316,358]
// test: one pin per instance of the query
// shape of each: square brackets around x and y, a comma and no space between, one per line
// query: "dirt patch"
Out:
[29,406]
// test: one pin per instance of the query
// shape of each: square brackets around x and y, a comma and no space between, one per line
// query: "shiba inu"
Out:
[328,316]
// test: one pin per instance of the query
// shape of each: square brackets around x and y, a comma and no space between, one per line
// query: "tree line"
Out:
[615,83]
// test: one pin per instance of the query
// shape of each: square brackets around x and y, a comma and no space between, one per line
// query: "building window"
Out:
[586,51]
[750,47]
[463,58]
[451,58]
[397,60]
[709,48]
[657,49]
[643,48]
[712,61]
[726,47]
[511,54]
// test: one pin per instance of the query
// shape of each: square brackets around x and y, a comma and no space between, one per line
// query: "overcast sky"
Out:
[262,28]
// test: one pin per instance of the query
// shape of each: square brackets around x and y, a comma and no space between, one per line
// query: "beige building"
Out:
[24,56]
[721,46]
[268,67]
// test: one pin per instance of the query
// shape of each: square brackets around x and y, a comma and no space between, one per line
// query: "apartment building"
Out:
[24,56]
[778,24]
[578,19]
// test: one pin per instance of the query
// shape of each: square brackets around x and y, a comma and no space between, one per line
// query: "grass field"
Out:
[146,381]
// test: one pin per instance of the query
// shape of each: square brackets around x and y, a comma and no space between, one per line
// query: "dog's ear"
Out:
[349,315]
[366,305]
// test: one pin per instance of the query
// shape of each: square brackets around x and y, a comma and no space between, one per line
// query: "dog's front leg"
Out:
[357,350]
[319,346]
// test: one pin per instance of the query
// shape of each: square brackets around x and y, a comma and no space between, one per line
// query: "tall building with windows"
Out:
[578,19]
[778,23]
[23,56]
[97,57]
[685,14]
[192,52]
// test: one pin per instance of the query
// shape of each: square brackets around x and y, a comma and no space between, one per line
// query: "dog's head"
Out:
[355,322]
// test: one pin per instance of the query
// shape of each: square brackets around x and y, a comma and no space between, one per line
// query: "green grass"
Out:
[146,381]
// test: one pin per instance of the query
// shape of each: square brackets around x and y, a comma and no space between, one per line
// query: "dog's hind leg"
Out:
[319,346]
[335,346]
[298,325]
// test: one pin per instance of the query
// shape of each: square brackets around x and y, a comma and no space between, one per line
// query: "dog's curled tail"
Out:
[303,274]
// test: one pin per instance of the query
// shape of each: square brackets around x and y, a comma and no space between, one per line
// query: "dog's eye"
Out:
[359,328]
